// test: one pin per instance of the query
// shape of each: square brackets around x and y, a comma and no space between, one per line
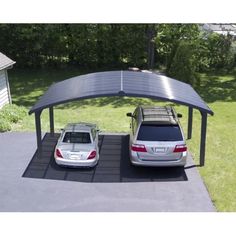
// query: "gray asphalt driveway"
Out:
[46,194]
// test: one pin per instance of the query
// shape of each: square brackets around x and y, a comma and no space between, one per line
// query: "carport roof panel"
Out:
[121,83]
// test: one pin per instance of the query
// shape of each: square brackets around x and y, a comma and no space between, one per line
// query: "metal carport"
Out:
[123,83]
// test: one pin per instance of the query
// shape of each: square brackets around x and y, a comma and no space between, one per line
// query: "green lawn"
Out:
[219,91]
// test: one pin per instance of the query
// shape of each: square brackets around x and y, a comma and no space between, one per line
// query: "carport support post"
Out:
[38,131]
[203,138]
[190,122]
[51,118]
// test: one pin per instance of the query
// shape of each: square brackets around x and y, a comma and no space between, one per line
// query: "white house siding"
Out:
[4,93]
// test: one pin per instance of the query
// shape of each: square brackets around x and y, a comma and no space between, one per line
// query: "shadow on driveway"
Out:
[113,166]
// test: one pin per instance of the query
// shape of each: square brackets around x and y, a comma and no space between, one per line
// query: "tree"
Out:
[112,46]
[220,52]
[183,65]
[168,38]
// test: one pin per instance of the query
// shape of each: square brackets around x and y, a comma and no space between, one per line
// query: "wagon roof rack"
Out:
[165,114]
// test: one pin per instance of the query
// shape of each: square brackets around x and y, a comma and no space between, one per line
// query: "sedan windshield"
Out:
[157,132]
[76,137]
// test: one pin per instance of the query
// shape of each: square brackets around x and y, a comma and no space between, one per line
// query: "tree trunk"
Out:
[151,33]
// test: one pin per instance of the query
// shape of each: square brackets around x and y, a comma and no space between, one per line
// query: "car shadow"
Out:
[113,167]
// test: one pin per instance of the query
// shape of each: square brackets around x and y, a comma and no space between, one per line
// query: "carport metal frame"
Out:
[204,111]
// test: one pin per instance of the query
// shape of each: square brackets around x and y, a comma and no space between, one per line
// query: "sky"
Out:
[117,11]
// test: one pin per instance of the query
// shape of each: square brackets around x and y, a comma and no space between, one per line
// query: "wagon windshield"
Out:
[76,137]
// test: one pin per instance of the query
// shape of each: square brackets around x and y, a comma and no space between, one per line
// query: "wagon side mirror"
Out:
[129,114]
[179,115]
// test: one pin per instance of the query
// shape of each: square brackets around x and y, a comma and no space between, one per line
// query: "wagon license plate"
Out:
[159,149]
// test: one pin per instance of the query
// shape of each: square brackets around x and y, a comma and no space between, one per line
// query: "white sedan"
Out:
[77,146]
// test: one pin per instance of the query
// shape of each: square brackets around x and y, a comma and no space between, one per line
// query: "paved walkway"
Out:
[37,194]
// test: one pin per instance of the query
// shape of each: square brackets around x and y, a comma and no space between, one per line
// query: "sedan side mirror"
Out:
[129,114]
[179,115]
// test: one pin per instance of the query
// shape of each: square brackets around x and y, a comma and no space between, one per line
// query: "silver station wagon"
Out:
[77,146]
[156,137]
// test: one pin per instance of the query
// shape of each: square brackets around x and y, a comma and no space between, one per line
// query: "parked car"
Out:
[77,146]
[156,137]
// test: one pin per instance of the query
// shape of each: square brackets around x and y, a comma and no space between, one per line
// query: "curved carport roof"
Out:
[123,83]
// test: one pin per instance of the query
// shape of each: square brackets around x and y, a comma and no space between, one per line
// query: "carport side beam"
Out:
[38,131]
[51,119]
[203,138]
[190,122]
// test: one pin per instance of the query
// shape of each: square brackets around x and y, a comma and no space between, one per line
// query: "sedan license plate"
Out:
[76,157]
[159,149]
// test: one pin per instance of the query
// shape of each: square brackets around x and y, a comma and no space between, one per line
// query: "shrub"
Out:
[13,113]
[9,114]
[5,125]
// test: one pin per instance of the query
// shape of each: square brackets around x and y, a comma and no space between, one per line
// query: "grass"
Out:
[219,91]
